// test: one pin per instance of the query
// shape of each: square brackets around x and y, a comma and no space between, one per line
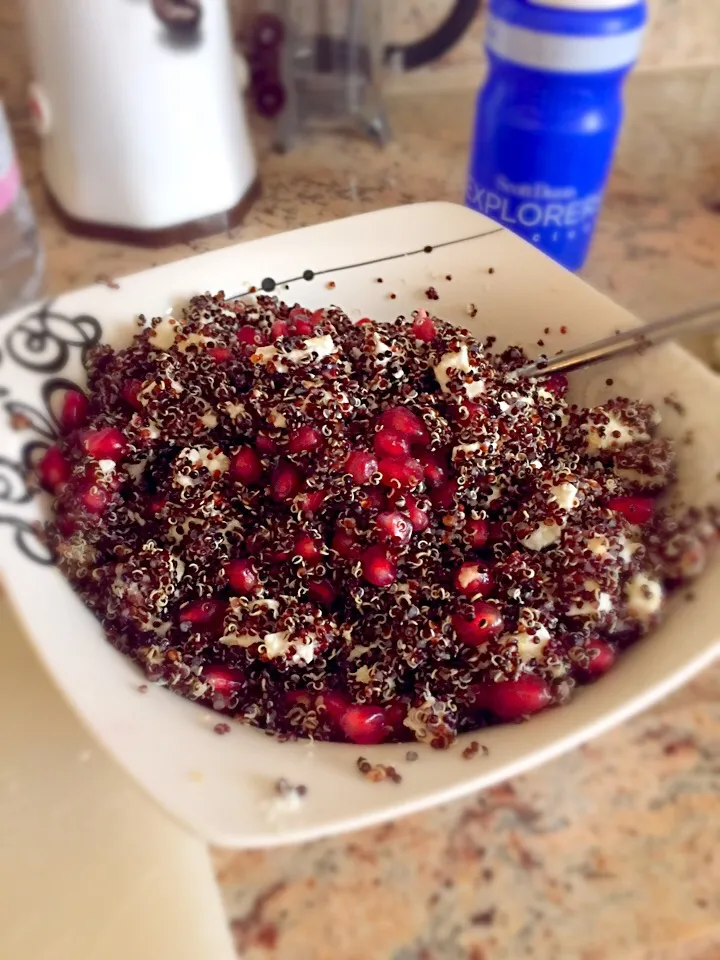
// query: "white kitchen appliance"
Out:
[144,136]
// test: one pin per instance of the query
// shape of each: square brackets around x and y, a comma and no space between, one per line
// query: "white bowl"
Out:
[222,787]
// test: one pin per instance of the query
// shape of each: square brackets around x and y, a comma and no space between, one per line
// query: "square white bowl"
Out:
[222,787]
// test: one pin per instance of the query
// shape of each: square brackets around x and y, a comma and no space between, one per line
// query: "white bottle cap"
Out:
[582,6]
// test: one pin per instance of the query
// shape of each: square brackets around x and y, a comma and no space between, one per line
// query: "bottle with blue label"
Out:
[549,115]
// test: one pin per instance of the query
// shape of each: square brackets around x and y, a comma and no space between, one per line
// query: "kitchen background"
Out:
[612,851]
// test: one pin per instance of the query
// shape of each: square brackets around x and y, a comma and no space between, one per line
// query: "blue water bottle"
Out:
[549,114]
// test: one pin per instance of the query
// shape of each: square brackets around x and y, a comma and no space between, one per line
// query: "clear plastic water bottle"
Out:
[549,115]
[21,260]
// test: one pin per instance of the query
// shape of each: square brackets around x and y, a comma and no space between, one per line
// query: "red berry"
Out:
[333,703]
[364,322]
[393,526]
[225,681]
[246,467]
[443,497]
[387,443]
[423,328]
[435,467]
[74,411]
[474,579]
[322,592]
[108,443]
[345,545]
[284,481]
[602,658]
[407,423]
[305,440]
[476,533]
[278,329]
[557,383]
[53,469]
[307,547]
[634,509]
[242,576]
[219,354]
[365,724]
[361,465]
[130,393]
[513,699]
[486,622]
[378,567]
[201,611]
[400,472]
[265,445]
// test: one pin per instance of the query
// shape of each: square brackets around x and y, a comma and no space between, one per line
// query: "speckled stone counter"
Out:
[612,852]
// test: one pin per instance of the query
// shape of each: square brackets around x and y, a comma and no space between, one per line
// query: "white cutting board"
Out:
[89,868]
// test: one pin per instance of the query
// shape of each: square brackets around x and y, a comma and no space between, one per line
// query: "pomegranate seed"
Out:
[294,698]
[476,533]
[345,545]
[486,623]
[157,503]
[278,329]
[378,568]
[513,699]
[334,703]
[418,518]
[423,327]
[373,499]
[557,383]
[247,334]
[404,421]
[312,500]
[387,443]
[74,411]
[225,681]
[474,579]
[245,467]
[395,713]
[634,509]
[365,724]
[436,470]
[284,481]
[305,440]
[95,499]
[53,469]
[470,412]
[322,592]
[307,547]
[400,472]
[443,497]
[108,443]
[277,556]
[265,445]
[602,659]
[220,354]
[130,393]
[242,576]
[201,611]
[361,465]
[394,526]
[364,322]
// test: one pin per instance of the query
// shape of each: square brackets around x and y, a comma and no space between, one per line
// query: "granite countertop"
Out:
[614,850]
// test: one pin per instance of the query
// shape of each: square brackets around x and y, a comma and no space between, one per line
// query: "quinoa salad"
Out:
[356,531]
